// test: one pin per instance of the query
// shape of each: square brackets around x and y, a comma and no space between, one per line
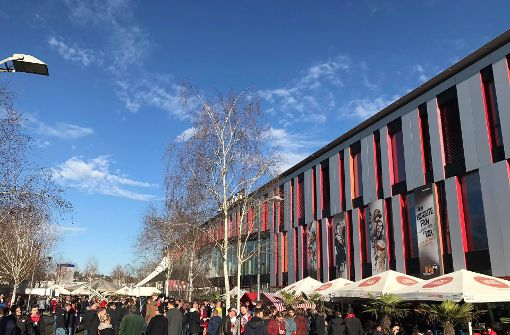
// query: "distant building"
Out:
[65,274]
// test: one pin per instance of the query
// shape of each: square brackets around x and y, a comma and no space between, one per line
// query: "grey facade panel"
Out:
[411,165]
[435,140]
[479,121]
[385,162]
[356,244]
[347,174]
[396,221]
[318,195]
[502,83]
[291,248]
[324,250]
[286,205]
[467,124]
[334,185]
[272,260]
[459,259]
[295,202]
[300,247]
[495,195]
[417,149]
[308,196]
[368,174]
[280,259]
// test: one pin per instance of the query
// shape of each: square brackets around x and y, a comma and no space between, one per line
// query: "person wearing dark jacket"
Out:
[71,320]
[115,316]
[337,325]
[353,324]
[88,316]
[158,324]
[256,326]
[320,324]
[214,323]
[8,323]
[35,322]
[60,320]
[105,327]
[194,320]
[133,323]
[21,322]
[174,317]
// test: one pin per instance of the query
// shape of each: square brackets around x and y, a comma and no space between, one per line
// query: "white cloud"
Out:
[70,229]
[94,176]
[63,130]
[421,73]
[73,53]
[185,135]
[293,147]
[364,108]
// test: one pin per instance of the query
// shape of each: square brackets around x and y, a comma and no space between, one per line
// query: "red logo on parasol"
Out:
[370,282]
[406,281]
[438,282]
[324,287]
[490,282]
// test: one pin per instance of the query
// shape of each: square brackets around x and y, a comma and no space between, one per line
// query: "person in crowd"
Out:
[290,324]
[174,317]
[259,304]
[133,323]
[230,325]
[35,322]
[194,320]
[219,308]
[158,325]
[185,317]
[214,323]
[256,325]
[204,318]
[337,325]
[115,316]
[41,304]
[276,326]
[489,331]
[151,307]
[320,324]
[88,316]
[60,320]
[244,317]
[311,316]
[272,312]
[208,309]
[8,323]
[301,322]
[71,319]
[105,326]
[353,324]
[21,321]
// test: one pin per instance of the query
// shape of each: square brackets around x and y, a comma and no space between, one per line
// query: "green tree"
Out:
[448,314]
[387,308]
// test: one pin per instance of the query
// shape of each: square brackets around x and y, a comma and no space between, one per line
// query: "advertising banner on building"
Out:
[312,250]
[377,229]
[427,230]
[340,235]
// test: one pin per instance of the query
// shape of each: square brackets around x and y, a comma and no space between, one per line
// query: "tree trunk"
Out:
[190,274]
[225,262]
[14,288]
[448,329]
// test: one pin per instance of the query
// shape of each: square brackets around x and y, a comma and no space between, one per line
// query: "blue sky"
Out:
[105,115]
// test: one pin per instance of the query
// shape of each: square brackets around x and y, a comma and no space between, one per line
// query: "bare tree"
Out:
[91,268]
[29,200]
[224,159]
[119,275]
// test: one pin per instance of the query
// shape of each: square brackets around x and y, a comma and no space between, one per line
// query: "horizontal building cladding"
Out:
[445,145]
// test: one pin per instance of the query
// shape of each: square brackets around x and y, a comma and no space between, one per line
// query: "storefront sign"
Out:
[427,231]
[377,237]
[340,230]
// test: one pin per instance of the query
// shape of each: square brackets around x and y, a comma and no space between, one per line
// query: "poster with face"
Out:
[427,231]
[340,238]
[312,250]
[377,230]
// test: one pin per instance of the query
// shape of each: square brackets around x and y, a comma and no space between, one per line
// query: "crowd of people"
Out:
[164,316]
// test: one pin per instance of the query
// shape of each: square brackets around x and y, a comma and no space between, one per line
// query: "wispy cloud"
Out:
[70,229]
[73,53]
[308,97]
[364,108]
[293,147]
[422,77]
[62,130]
[94,176]
[185,135]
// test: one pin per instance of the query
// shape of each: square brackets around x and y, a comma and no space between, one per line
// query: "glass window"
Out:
[410,232]
[474,216]
[425,142]
[301,199]
[450,125]
[378,166]
[356,166]
[397,156]
[325,188]
[314,199]
[342,181]
[491,110]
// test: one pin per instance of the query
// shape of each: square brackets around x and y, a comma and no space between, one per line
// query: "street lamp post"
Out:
[279,199]
[24,63]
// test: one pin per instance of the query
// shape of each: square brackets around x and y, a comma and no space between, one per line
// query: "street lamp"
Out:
[275,198]
[24,63]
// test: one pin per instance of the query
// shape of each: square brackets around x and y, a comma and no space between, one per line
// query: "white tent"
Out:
[306,286]
[141,291]
[159,269]
[58,289]
[328,288]
[459,285]
[123,290]
[377,285]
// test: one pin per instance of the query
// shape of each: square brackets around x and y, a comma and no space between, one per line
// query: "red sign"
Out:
[490,282]
[438,282]
[406,281]
[370,281]
[324,287]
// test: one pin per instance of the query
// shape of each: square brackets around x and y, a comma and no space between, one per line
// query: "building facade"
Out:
[422,187]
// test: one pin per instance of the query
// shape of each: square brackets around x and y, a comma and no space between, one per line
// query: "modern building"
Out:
[422,187]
